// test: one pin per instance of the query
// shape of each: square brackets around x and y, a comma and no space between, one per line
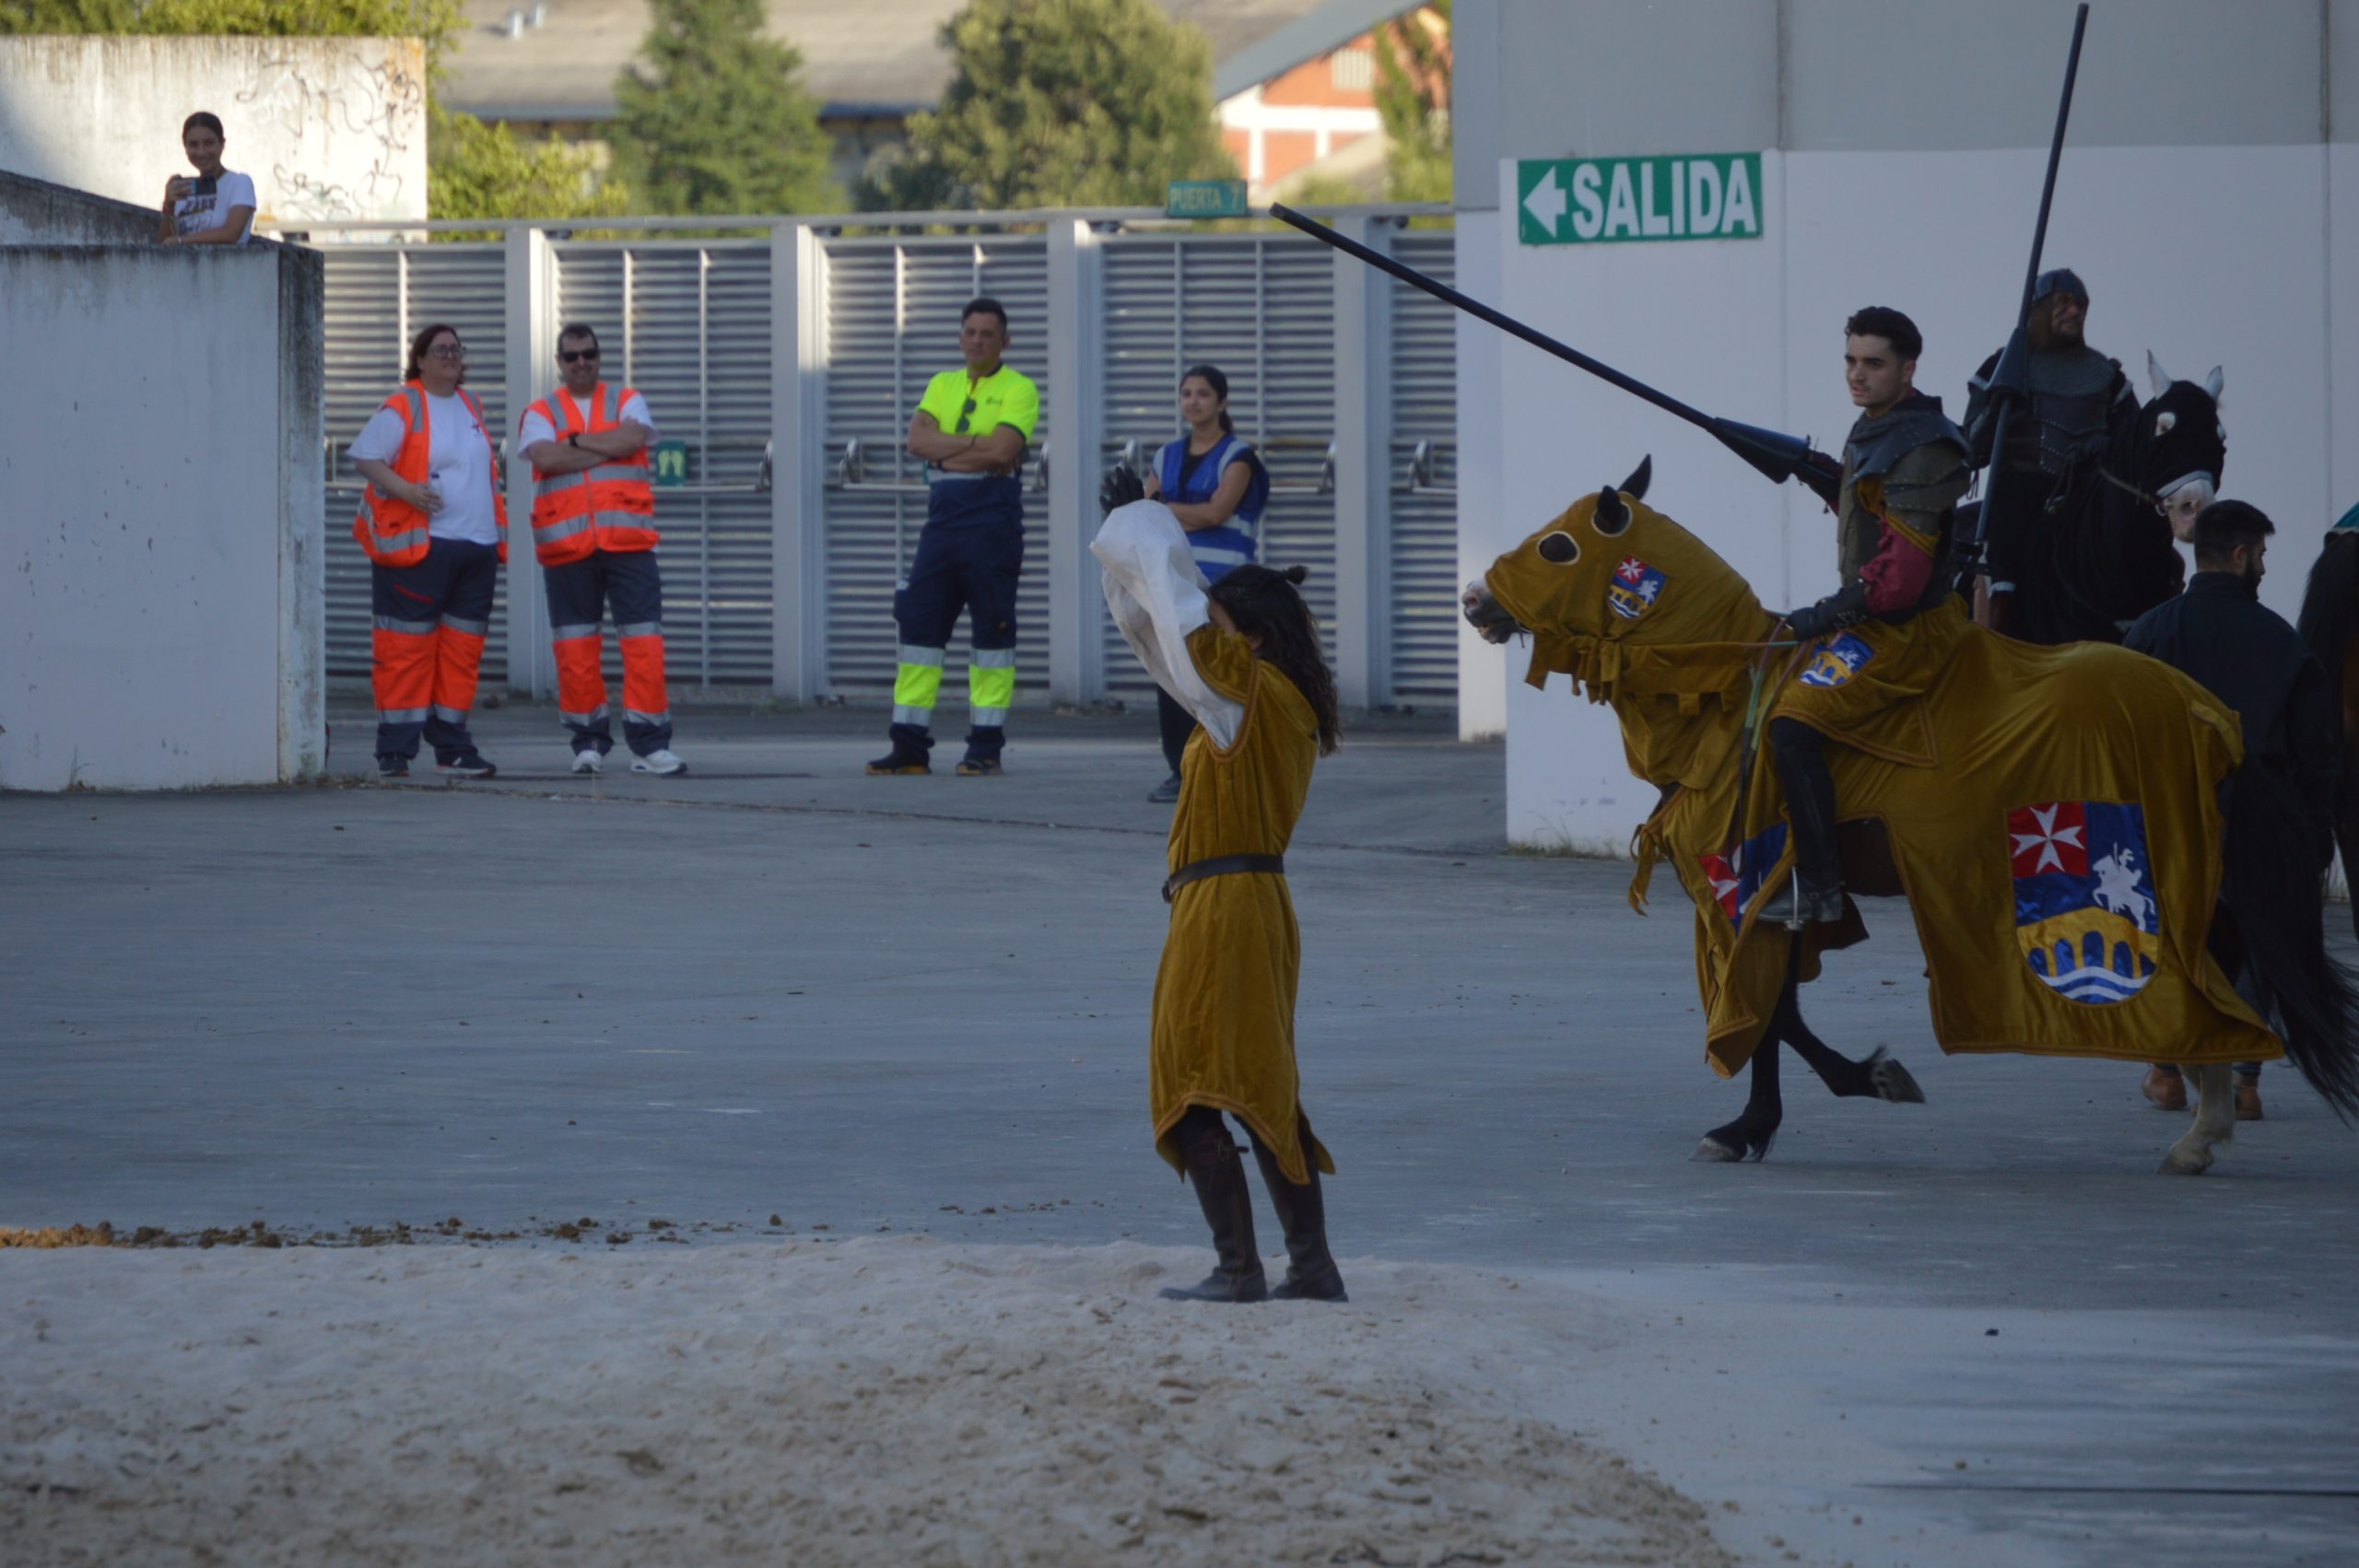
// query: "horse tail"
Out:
[2271,889]
[2330,605]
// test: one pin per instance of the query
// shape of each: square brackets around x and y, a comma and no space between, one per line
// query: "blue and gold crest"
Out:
[1635,588]
[1833,665]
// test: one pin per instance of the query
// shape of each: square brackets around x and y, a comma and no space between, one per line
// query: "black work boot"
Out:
[1311,1274]
[1810,812]
[910,744]
[1217,1173]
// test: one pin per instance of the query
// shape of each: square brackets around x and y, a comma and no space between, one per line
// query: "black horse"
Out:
[2329,624]
[2103,555]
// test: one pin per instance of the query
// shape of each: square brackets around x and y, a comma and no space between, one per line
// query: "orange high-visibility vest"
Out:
[611,507]
[394,532]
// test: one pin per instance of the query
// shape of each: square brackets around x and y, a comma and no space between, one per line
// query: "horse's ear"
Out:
[1612,516]
[2213,383]
[2160,377]
[1640,477]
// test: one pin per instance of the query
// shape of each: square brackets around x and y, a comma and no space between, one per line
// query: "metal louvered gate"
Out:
[1422,460]
[378,295]
[1262,308]
[688,326]
[862,321]
[892,315]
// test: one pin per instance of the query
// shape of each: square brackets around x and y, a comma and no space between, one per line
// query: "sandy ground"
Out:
[872,1400]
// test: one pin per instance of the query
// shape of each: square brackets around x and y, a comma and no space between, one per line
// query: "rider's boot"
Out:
[2165,1087]
[1311,1274]
[1809,787]
[1217,1173]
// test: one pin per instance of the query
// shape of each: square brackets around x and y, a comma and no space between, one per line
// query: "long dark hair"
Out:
[421,344]
[1210,375]
[1263,603]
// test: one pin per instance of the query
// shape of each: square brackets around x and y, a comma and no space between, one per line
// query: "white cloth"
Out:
[1157,597]
[534,429]
[458,465]
[194,214]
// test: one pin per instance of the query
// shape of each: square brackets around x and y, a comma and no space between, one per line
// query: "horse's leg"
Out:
[2214,1126]
[1750,1135]
[1879,1077]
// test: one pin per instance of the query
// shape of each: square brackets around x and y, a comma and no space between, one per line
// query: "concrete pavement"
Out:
[777,987]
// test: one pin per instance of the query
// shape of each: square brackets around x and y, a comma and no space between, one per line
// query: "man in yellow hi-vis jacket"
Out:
[970,429]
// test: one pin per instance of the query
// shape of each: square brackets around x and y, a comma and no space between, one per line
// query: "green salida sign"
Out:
[1585,201]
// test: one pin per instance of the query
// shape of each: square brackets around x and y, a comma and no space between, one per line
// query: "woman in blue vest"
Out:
[1216,488]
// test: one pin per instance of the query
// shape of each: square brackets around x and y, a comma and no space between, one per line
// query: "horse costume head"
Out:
[1609,573]
[2182,446]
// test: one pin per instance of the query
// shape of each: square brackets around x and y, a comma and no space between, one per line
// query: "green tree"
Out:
[1413,98]
[1062,103]
[721,125]
[473,170]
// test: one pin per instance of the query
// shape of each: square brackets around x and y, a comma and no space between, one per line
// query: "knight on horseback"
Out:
[1903,468]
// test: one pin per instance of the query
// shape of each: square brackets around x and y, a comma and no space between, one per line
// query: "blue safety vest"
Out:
[1236,542]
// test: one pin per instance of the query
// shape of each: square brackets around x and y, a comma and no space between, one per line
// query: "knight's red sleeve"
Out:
[1897,574]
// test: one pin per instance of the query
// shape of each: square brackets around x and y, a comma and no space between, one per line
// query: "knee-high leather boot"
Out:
[1810,809]
[1311,1274]
[1217,1173]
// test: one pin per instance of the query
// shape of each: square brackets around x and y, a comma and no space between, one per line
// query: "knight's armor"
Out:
[1919,458]
[2077,395]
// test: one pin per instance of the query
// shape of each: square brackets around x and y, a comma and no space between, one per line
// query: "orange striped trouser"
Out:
[580,594]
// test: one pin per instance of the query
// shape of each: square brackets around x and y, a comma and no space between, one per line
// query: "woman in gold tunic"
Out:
[1244,657]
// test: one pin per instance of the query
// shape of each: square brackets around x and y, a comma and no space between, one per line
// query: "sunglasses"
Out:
[575,357]
[963,415]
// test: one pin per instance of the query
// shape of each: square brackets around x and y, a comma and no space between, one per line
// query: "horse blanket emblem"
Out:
[2085,914]
[1833,665]
[1635,588]
[1738,876]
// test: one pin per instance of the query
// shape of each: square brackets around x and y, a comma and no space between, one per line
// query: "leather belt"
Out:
[1222,865]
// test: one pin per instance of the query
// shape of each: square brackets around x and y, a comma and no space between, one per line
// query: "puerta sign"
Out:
[1583,201]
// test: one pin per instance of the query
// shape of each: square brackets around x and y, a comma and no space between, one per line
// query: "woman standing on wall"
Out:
[435,525]
[1216,486]
[216,205]
[1245,660]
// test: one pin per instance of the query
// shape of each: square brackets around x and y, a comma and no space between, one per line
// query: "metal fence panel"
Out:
[377,297]
[687,326]
[1424,622]
[892,324]
[1261,308]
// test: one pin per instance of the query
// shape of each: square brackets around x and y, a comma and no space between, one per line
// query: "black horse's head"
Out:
[2181,445]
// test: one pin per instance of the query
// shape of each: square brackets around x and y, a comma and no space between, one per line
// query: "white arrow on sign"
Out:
[1546,201]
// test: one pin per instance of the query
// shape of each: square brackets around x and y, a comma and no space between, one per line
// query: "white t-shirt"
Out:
[458,465]
[194,214]
[534,429]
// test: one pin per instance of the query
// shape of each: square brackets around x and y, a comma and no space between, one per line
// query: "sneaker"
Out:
[971,766]
[393,768]
[589,760]
[1163,794]
[467,764]
[660,761]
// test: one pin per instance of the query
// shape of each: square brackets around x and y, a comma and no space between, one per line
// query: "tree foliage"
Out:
[487,171]
[721,123]
[1413,64]
[1062,103]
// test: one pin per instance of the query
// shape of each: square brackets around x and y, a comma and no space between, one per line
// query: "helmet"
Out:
[2064,280]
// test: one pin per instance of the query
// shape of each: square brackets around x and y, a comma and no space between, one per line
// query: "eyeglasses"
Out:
[446,351]
[963,415]
[577,356]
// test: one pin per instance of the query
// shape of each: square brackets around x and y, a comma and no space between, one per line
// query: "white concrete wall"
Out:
[327,128]
[161,584]
[1753,330]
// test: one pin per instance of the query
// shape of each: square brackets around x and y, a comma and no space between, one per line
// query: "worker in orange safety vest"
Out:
[593,529]
[434,523]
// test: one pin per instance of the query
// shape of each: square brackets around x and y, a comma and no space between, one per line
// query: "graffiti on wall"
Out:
[366,117]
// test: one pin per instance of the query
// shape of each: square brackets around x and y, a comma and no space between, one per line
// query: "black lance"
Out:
[1780,456]
[2011,378]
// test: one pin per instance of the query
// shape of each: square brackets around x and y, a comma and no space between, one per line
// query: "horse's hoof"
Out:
[1712,1152]
[1894,1082]
[2175,1163]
